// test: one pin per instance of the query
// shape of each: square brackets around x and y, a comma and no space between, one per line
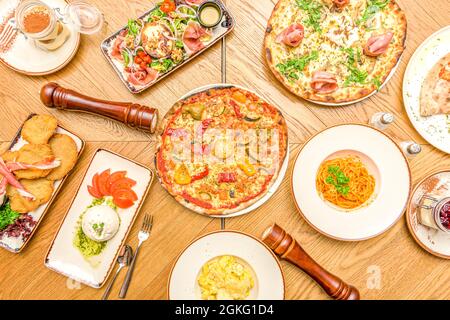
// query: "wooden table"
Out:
[404,270]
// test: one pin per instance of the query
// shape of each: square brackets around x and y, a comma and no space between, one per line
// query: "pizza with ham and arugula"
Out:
[221,150]
[334,51]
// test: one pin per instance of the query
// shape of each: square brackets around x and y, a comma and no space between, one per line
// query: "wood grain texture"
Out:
[406,271]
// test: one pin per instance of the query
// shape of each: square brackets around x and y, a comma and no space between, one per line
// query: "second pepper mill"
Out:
[287,248]
[133,115]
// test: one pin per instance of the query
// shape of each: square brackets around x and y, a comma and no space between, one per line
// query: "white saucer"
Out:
[24,57]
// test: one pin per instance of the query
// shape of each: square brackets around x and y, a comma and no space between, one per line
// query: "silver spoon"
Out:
[124,260]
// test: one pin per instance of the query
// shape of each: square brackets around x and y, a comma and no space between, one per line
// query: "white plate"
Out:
[433,241]
[434,129]
[283,168]
[14,244]
[383,158]
[269,282]
[23,55]
[63,257]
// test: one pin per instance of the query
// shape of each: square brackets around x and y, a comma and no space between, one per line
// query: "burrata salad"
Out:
[99,223]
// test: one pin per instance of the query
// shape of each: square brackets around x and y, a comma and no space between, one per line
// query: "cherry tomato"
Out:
[137,60]
[114,177]
[102,182]
[143,65]
[124,198]
[94,192]
[124,183]
[168,6]
[142,54]
[147,59]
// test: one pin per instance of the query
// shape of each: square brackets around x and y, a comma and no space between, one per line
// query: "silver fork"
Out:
[143,235]
[8,33]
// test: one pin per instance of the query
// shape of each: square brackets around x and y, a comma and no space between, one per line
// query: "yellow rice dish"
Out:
[225,278]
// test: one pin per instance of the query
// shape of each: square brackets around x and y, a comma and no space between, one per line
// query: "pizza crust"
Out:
[384,64]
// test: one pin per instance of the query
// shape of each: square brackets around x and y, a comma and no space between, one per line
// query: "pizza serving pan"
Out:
[281,174]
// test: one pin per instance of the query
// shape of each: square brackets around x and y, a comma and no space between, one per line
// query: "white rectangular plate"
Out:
[17,244]
[63,257]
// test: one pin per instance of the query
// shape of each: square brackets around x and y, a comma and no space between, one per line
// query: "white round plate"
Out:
[269,282]
[433,241]
[24,57]
[383,159]
[434,129]
[283,168]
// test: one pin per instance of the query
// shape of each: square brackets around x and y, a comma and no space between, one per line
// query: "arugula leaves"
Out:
[357,75]
[314,11]
[338,179]
[7,216]
[373,6]
[291,68]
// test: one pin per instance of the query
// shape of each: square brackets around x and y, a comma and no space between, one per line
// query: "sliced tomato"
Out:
[124,183]
[114,177]
[94,192]
[102,182]
[124,198]
[95,182]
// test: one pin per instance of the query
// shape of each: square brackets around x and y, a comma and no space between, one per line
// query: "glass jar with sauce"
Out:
[49,27]
[435,213]
[209,14]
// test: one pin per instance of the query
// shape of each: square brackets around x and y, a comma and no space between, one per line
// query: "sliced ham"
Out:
[47,164]
[340,3]
[323,82]
[116,51]
[11,179]
[192,36]
[3,184]
[378,44]
[291,36]
[142,77]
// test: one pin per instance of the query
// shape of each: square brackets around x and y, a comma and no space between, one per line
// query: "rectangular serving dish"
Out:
[63,257]
[16,245]
[221,30]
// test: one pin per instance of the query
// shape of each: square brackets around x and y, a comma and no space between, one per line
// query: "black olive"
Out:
[231,193]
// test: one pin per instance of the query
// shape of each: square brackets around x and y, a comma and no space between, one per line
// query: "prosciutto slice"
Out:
[378,44]
[192,36]
[291,36]
[323,82]
[11,179]
[117,46]
[47,164]
[142,77]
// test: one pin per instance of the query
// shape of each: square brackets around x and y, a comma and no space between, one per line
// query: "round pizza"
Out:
[334,51]
[221,150]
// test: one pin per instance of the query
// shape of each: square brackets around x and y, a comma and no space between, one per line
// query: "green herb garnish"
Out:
[377,82]
[356,76]
[156,13]
[314,11]
[163,65]
[179,44]
[7,216]
[373,6]
[133,27]
[126,57]
[338,179]
[291,68]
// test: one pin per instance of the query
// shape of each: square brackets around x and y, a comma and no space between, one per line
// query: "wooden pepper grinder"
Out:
[287,248]
[133,115]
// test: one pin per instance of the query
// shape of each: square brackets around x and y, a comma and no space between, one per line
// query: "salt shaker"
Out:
[382,120]
[410,148]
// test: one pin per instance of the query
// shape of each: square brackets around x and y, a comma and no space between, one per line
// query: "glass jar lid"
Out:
[86,18]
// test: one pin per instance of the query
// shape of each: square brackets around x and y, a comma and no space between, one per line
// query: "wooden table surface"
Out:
[390,266]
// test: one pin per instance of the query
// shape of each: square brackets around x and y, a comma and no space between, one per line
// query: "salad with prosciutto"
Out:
[151,46]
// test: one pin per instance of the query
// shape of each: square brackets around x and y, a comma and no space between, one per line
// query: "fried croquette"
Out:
[65,149]
[32,154]
[10,156]
[41,189]
[39,129]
